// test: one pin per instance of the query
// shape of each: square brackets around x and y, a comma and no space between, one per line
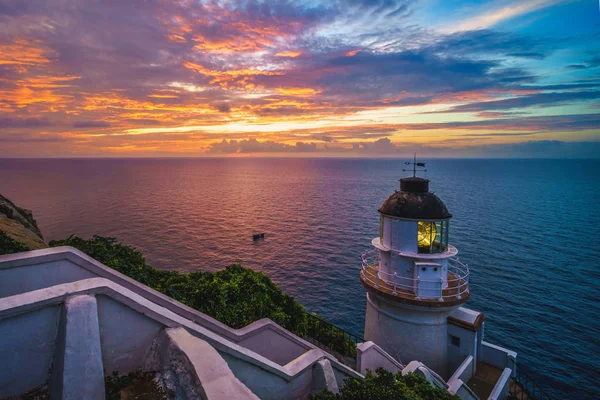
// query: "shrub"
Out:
[9,246]
[386,385]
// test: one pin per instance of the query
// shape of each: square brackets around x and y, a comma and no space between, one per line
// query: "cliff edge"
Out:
[18,223]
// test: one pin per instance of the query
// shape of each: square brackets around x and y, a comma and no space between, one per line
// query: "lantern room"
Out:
[414,220]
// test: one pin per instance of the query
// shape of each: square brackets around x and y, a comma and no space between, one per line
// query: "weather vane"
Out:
[415,164]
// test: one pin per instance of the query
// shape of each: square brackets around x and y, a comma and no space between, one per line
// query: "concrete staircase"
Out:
[66,321]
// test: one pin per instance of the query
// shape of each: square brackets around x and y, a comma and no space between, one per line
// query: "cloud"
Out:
[249,146]
[554,123]
[224,107]
[168,76]
[541,149]
[380,146]
[369,76]
[91,124]
[25,139]
[490,42]
[8,122]
[500,12]
[13,8]
[576,67]
[522,102]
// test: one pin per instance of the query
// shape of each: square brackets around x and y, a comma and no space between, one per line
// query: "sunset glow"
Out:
[357,78]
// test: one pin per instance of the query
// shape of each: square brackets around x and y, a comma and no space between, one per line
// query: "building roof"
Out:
[415,201]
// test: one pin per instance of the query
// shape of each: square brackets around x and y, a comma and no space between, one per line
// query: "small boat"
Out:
[257,236]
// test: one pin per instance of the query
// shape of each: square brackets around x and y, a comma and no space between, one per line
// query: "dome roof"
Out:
[415,201]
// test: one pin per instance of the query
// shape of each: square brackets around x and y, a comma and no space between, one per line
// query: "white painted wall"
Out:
[464,372]
[387,231]
[497,356]
[400,235]
[37,276]
[126,335]
[409,333]
[27,344]
[369,357]
[265,385]
[468,346]
[273,345]
[501,389]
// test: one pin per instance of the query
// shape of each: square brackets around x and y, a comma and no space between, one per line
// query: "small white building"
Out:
[416,288]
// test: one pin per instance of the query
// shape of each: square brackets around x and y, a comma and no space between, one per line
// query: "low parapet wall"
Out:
[464,372]
[497,356]
[369,357]
[502,387]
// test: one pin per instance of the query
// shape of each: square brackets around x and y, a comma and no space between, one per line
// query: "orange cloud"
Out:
[289,54]
[22,54]
[298,91]
[226,46]
[163,96]
[116,102]
[238,78]
[352,53]
[176,38]
[40,91]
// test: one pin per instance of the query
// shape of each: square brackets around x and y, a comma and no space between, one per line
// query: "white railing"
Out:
[455,286]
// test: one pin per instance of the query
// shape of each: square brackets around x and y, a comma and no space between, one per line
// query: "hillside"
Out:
[18,224]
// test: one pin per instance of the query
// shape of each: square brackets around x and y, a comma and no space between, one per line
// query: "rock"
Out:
[18,223]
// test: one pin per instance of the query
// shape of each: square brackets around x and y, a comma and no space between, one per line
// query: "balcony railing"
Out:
[525,387]
[456,288]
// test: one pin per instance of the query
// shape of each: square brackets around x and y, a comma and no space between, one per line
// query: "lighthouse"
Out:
[412,277]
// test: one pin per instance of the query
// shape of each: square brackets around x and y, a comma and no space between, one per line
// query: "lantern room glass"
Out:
[432,236]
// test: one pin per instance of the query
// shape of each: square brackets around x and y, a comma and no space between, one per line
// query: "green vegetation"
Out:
[9,246]
[387,386]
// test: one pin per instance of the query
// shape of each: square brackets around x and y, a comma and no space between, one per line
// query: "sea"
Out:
[529,229]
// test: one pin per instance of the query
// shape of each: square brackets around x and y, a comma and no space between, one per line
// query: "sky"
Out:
[366,78]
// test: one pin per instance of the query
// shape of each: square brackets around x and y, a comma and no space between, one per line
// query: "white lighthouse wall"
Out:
[403,267]
[409,334]
[391,263]
[403,235]
[387,232]
[385,264]
[400,235]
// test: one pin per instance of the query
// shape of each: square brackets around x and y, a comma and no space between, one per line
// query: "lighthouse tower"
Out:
[412,278]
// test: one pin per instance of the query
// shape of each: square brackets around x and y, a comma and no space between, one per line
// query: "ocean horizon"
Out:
[526,228]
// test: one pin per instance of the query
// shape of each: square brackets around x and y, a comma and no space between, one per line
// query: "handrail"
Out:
[526,388]
[457,278]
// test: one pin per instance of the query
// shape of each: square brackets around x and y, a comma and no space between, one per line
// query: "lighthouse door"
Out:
[428,280]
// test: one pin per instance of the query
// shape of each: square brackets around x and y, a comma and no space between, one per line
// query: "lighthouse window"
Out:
[455,340]
[432,237]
